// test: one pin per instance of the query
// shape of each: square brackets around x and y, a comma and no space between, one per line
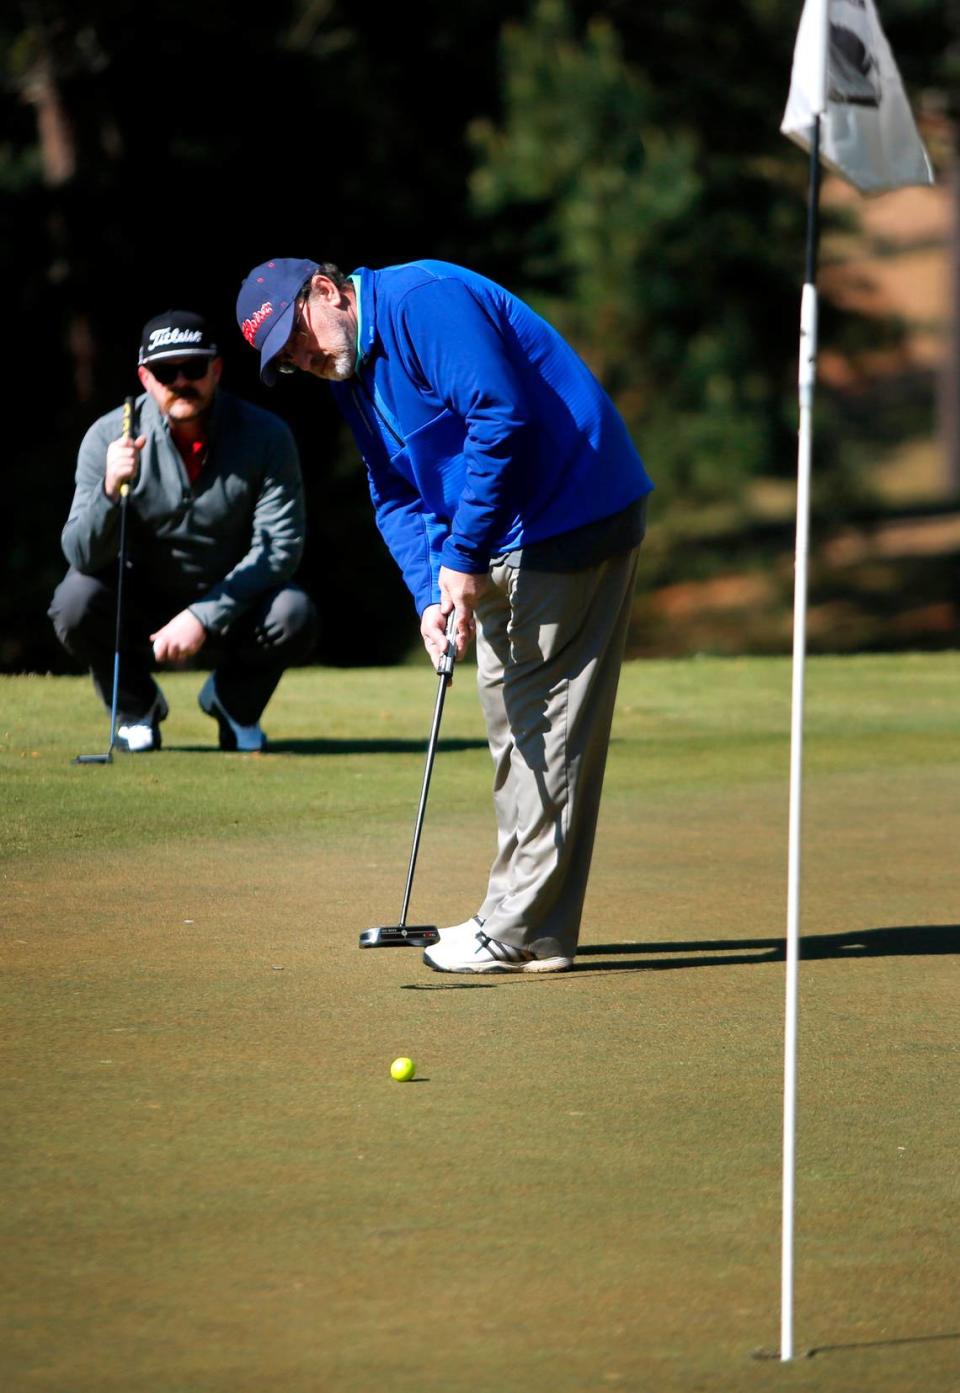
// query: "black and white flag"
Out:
[844,71]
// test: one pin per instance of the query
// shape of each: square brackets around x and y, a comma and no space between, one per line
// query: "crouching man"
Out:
[215,531]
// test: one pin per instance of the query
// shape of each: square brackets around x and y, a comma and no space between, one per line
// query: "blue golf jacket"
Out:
[481,429]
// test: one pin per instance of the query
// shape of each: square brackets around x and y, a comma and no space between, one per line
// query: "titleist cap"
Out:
[176,334]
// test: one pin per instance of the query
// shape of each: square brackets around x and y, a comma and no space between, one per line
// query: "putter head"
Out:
[400,936]
[94,759]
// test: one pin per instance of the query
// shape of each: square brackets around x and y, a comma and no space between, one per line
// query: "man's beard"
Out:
[339,366]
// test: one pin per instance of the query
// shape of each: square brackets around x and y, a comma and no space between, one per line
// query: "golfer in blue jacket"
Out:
[508,490]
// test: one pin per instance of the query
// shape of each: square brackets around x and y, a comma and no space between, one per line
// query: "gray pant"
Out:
[549,651]
[278,629]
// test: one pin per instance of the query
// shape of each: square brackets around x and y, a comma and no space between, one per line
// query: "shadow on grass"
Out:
[861,1344]
[340,747]
[905,940]
[883,1344]
[451,986]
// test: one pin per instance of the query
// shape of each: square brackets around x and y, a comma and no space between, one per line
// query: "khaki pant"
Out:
[549,651]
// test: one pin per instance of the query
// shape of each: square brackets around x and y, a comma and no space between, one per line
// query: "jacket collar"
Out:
[369,337]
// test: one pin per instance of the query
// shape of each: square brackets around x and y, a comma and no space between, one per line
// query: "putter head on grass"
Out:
[400,936]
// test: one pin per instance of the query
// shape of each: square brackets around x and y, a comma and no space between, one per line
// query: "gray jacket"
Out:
[213,546]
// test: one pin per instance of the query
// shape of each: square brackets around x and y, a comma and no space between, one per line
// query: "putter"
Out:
[402,934]
[128,406]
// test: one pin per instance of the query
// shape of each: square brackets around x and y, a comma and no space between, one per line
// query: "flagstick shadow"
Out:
[883,1344]
[858,1345]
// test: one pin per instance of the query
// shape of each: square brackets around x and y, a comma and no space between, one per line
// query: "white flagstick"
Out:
[867,134]
[807,383]
[808,364]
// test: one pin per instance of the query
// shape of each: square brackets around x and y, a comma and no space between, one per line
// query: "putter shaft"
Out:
[128,407]
[418,935]
[445,671]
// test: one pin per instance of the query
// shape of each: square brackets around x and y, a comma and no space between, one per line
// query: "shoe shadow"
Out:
[451,986]
[904,940]
[369,747]
[209,750]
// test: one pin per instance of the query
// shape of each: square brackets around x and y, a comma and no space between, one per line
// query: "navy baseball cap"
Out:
[265,307]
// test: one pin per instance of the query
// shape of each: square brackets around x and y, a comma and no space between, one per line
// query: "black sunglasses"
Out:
[190,368]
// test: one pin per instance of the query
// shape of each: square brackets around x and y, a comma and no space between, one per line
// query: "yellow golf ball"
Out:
[403,1069]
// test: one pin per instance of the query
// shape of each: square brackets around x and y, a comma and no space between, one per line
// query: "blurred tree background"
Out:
[620,166]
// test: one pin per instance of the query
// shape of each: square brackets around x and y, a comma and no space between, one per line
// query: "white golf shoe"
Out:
[466,948]
[137,737]
[233,736]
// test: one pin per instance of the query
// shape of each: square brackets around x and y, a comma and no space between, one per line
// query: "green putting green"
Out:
[213,1185]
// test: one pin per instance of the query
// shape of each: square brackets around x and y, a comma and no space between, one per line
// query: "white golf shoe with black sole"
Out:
[468,949]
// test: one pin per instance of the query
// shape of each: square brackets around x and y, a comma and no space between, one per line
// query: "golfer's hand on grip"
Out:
[123,461]
[433,631]
[460,591]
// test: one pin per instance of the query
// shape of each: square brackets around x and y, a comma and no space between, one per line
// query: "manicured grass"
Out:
[212,1183]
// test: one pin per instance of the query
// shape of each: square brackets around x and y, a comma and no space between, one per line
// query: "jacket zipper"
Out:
[357,385]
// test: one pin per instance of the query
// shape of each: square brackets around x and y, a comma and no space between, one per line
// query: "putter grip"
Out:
[445,665]
[128,405]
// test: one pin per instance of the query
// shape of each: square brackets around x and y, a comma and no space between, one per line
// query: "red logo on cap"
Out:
[250,326]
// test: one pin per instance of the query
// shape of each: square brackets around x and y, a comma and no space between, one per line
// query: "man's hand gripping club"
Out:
[459,591]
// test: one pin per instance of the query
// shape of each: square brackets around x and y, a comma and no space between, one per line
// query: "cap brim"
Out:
[279,333]
[180,353]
